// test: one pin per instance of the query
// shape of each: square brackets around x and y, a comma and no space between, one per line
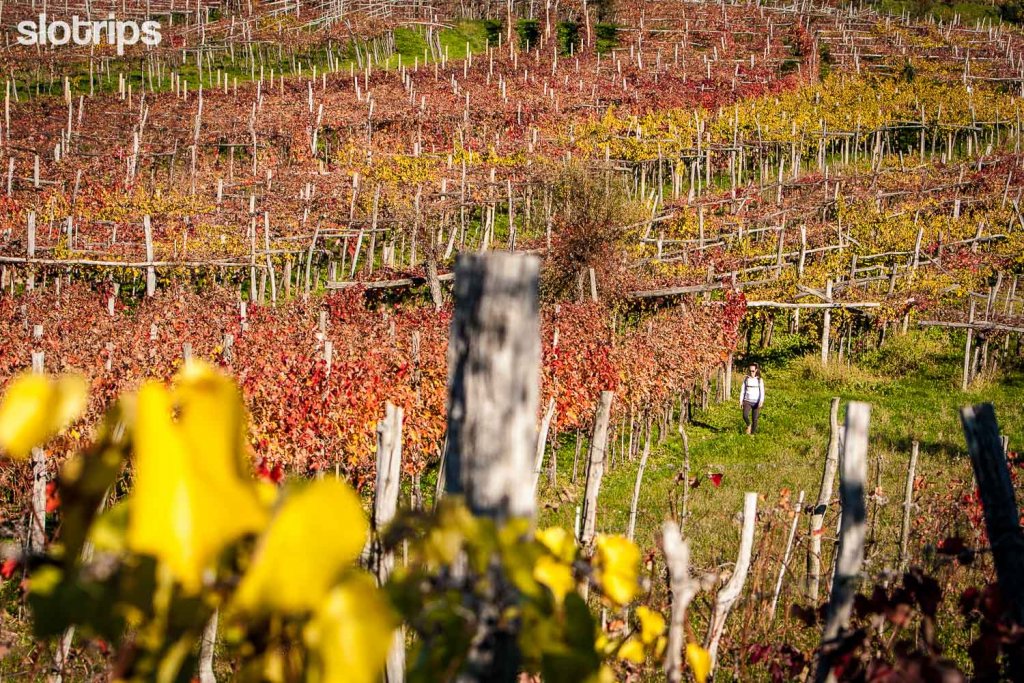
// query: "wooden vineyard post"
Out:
[785,555]
[1002,522]
[727,597]
[493,383]
[385,504]
[595,468]
[826,324]
[908,502]
[728,378]
[542,438]
[636,487]
[967,349]
[686,466]
[206,648]
[494,358]
[30,277]
[150,269]
[37,525]
[328,356]
[270,264]
[852,480]
[683,588]
[824,497]
[228,353]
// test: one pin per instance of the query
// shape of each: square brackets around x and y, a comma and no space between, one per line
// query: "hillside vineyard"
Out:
[316,310]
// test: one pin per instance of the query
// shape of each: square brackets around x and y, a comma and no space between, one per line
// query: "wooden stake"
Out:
[385,505]
[493,383]
[683,588]
[967,349]
[150,270]
[595,468]
[1006,538]
[824,498]
[542,437]
[40,476]
[852,480]
[908,502]
[727,597]
[785,556]
[636,487]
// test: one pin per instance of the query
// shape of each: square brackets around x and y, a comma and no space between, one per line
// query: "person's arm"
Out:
[743,390]
[760,401]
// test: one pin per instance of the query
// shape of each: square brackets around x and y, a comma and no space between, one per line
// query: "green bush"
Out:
[607,37]
[836,376]
[1012,12]
[492,28]
[905,354]
[529,33]
[568,36]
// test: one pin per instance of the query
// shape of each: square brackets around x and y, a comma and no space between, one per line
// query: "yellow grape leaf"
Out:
[559,542]
[36,407]
[632,650]
[318,533]
[202,392]
[555,575]
[652,624]
[699,660]
[350,633]
[617,560]
[190,499]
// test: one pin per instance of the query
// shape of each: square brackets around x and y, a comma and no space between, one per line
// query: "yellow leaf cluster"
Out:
[617,562]
[37,407]
[191,496]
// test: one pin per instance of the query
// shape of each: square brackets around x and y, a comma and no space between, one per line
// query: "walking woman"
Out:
[752,397]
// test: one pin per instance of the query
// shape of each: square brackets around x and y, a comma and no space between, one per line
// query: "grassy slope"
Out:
[788,452]
[409,42]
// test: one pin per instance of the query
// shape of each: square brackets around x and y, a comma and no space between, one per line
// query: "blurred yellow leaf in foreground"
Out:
[36,407]
[317,535]
[349,635]
[191,496]
[699,660]
[617,562]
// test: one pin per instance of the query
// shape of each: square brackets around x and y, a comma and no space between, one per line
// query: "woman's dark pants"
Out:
[751,411]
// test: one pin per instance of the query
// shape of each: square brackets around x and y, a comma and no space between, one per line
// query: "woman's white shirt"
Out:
[753,390]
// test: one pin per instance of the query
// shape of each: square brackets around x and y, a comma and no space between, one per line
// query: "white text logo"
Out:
[85,32]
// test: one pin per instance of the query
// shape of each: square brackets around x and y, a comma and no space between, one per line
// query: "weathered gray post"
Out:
[967,349]
[494,358]
[542,439]
[1001,517]
[30,276]
[150,269]
[385,504]
[595,468]
[494,384]
[785,555]
[852,480]
[683,588]
[228,346]
[631,529]
[37,527]
[206,650]
[824,496]
[730,592]
[826,324]
[908,503]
